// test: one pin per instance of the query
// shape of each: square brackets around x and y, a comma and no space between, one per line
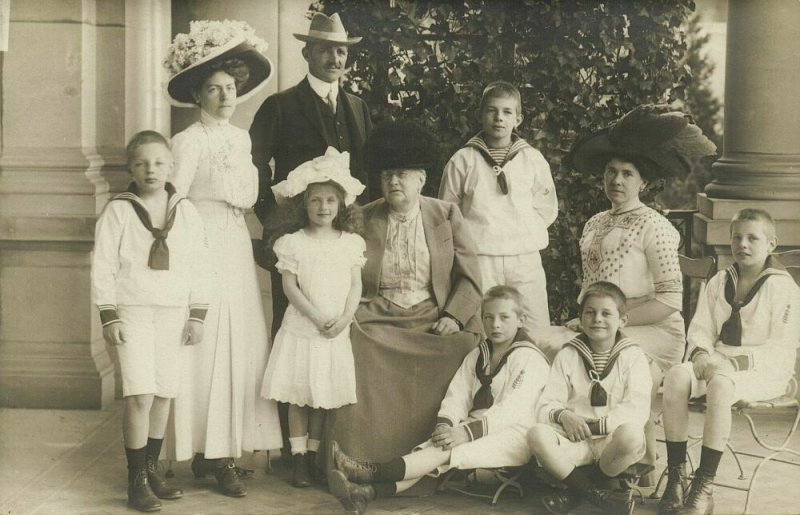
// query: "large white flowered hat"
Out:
[207,46]
[334,166]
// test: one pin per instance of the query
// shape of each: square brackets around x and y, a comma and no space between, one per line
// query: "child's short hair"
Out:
[606,289]
[756,215]
[501,89]
[502,292]
[143,138]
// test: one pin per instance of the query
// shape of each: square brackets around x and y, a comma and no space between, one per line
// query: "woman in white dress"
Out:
[219,412]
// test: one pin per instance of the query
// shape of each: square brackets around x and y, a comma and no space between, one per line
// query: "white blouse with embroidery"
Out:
[406,265]
[637,250]
[213,162]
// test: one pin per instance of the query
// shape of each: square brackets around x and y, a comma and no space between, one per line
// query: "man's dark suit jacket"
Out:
[289,128]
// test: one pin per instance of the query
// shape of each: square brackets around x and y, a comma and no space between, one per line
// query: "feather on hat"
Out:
[668,142]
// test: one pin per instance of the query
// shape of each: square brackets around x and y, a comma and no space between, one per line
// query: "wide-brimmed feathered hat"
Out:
[401,144]
[207,46]
[327,29]
[666,142]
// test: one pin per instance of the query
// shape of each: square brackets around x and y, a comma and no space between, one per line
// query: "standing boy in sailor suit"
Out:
[505,191]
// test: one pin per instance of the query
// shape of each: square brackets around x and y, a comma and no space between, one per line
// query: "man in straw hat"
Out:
[298,124]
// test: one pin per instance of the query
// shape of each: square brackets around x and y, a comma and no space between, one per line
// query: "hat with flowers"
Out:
[666,143]
[213,45]
[333,166]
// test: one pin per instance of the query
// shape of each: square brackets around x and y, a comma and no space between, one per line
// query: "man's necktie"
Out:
[332,99]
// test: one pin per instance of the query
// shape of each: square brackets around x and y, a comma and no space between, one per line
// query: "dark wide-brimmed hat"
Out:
[666,143]
[190,65]
[327,29]
[401,145]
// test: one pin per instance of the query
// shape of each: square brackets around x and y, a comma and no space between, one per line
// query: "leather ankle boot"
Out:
[620,503]
[352,496]
[675,491]
[157,482]
[355,470]
[300,473]
[700,500]
[139,495]
[562,502]
[228,479]
[201,467]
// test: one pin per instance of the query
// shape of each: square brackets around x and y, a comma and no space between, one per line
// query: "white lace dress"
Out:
[306,368]
[219,411]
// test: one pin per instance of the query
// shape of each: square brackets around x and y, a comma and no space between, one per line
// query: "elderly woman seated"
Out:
[421,295]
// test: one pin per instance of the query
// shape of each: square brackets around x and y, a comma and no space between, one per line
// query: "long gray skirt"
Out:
[402,373]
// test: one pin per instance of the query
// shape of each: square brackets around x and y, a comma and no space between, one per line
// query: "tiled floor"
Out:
[55,461]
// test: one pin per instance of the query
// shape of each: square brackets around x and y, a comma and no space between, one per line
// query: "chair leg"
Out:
[509,481]
[661,477]
[735,455]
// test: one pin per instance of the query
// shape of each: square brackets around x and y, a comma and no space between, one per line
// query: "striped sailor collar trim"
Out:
[521,340]
[517,144]
[772,266]
[581,344]
[132,194]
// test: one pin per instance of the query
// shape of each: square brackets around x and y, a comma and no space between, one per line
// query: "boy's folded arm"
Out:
[635,405]
[457,401]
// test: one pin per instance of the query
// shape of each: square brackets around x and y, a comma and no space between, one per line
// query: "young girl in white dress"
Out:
[320,259]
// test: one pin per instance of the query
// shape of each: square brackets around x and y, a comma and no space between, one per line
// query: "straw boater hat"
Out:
[665,143]
[192,56]
[327,29]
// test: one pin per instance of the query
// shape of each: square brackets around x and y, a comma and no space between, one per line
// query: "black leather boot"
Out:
[354,497]
[139,495]
[300,474]
[620,503]
[675,491]
[228,478]
[700,500]
[355,470]
[201,467]
[562,502]
[157,482]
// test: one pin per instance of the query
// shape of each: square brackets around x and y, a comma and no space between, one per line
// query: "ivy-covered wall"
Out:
[580,64]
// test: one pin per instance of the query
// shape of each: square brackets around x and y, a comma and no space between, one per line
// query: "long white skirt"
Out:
[218,410]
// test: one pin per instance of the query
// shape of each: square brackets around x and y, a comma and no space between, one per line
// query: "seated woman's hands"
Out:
[446,437]
[445,326]
[575,426]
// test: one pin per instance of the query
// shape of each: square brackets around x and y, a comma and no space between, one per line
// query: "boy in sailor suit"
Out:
[594,406]
[482,421]
[742,346]
[148,283]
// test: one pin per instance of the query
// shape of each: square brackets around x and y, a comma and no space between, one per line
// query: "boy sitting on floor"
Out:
[594,406]
[483,418]
[742,346]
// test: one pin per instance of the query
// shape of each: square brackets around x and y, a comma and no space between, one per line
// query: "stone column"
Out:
[63,110]
[760,163]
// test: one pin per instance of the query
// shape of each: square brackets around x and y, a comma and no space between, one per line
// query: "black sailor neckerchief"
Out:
[517,145]
[159,251]
[483,397]
[731,331]
[599,396]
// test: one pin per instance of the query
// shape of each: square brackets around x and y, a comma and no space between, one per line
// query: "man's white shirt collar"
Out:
[322,88]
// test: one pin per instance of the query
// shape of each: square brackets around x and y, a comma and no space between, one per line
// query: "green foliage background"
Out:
[579,64]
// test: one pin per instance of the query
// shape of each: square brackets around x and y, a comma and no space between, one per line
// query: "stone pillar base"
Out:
[711,224]
[52,353]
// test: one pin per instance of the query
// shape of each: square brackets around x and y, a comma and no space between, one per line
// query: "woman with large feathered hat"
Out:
[219,413]
[631,244]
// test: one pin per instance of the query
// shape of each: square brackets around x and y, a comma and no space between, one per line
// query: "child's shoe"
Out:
[700,500]
[139,495]
[300,474]
[157,482]
[355,470]
[610,501]
[675,491]
[353,497]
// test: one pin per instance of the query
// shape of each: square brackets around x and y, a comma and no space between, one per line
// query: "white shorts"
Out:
[505,448]
[750,385]
[588,452]
[525,273]
[151,357]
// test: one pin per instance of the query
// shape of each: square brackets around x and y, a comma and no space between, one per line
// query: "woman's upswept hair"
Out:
[294,216]
[234,67]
